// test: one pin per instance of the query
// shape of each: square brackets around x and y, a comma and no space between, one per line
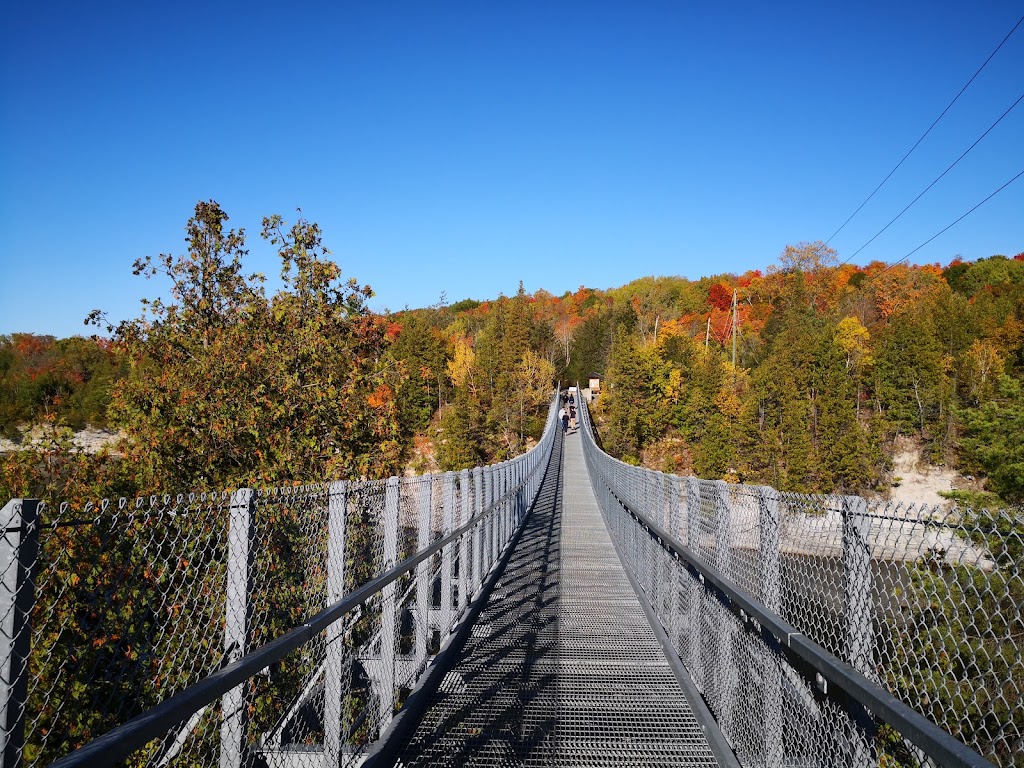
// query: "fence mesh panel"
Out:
[925,601]
[108,609]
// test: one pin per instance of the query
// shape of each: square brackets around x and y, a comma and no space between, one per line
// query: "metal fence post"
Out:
[666,608]
[771,596]
[478,529]
[19,551]
[858,614]
[423,570]
[335,679]
[505,507]
[726,626]
[676,573]
[860,638]
[493,494]
[241,540]
[695,616]
[388,609]
[464,514]
[447,555]
[523,493]
[513,504]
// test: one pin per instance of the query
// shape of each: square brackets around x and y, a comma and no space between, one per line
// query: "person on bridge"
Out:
[563,416]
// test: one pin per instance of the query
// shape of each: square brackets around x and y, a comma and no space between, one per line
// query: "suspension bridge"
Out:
[561,608]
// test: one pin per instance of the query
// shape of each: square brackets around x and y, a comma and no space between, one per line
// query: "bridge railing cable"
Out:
[831,630]
[275,627]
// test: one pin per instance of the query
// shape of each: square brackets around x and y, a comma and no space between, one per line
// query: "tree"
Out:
[229,388]
[423,353]
[911,386]
[635,409]
[64,380]
[855,342]
[590,346]
[991,443]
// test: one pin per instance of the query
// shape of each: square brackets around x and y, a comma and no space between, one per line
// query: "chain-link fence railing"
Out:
[926,603]
[113,611]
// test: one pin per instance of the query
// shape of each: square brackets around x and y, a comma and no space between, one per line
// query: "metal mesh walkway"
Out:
[562,667]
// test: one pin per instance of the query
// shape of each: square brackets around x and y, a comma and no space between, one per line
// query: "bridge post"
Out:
[641,548]
[666,494]
[389,608]
[19,551]
[424,590]
[335,669]
[517,499]
[518,480]
[241,535]
[858,614]
[485,545]
[681,576]
[695,614]
[464,515]
[726,635]
[478,529]
[447,555]
[507,506]
[513,506]
[771,595]
[499,491]
[494,493]
[503,511]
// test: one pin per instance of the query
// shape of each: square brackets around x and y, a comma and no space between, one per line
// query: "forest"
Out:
[800,376]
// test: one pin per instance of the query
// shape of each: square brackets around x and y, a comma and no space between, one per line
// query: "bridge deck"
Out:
[562,667]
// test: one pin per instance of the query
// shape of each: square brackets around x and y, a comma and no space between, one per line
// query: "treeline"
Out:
[801,376]
[832,362]
[67,380]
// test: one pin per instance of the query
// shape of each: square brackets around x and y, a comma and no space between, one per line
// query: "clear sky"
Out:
[461,147]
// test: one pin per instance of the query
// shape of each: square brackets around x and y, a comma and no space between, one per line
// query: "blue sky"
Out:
[465,146]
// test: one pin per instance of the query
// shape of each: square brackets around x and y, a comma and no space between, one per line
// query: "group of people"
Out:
[567,413]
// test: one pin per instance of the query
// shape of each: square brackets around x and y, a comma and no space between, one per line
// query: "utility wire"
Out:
[941,115]
[943,230]
[937,178]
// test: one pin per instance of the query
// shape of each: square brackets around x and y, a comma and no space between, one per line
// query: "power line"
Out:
[937,178]
[934,123]
[943,230]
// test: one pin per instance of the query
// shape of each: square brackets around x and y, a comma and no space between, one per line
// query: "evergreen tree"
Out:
[912,387]
[635,408]
[423,353]
[991,442]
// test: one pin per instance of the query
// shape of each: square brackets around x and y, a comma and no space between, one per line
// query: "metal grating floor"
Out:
[562,667]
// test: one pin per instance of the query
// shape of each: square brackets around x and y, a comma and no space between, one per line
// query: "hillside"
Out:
[827,369]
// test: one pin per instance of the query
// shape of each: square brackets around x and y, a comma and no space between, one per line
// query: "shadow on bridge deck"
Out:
[562,666]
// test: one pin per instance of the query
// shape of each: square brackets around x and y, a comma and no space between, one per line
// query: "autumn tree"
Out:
[63,381]
[228,387]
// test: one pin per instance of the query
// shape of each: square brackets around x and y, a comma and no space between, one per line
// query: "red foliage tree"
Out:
[720,296]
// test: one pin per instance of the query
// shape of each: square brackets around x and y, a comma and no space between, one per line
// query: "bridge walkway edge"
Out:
[562,666]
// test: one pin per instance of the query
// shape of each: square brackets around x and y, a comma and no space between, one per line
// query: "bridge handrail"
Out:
[122,741]
[861,697]
[468,551]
